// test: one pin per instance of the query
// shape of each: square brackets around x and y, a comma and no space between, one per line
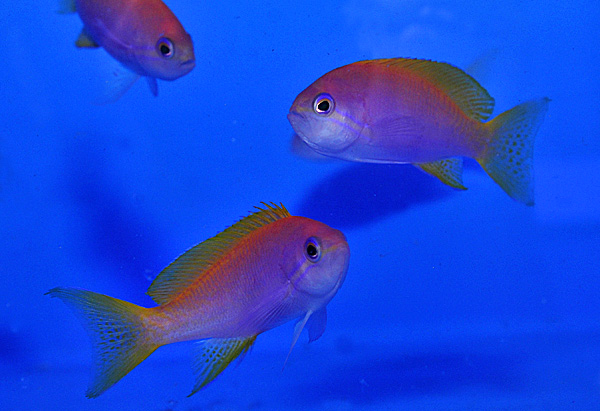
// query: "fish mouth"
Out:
[190,62]
[293,116]
[298,122]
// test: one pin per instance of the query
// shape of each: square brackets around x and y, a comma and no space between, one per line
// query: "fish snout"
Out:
[187,65]
[189,62]
[301,126]
[338,256]
[295,118]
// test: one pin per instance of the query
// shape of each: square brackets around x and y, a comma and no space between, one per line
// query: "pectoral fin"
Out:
[118,81]
[85,40]
[215,355]
[315,321]
[448,170]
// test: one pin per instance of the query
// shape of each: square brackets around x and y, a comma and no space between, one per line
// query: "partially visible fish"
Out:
[265,270]
[421,112]
[143,35]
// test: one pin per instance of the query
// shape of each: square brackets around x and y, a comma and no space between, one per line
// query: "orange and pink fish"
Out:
[421,112]
[143,35]
[265,270]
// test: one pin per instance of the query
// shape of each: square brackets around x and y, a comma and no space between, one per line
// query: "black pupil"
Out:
[311,250]
[323,105]
[164,49]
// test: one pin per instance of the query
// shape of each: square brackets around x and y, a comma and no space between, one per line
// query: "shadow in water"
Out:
[364,193]
[118,235]
[15,352]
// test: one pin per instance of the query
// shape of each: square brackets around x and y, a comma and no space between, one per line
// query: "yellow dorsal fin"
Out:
[463,89]
[192,264]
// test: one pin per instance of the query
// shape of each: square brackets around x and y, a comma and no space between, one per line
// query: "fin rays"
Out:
[191,265]
[214,355]
[463,89]
[117,333]
[508,159]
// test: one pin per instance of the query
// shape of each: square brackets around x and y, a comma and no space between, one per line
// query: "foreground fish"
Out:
[421,112]
[261,272]
[143,35]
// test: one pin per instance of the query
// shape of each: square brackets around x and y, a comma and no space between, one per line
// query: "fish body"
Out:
[421,112]
[265,270]
[143,35]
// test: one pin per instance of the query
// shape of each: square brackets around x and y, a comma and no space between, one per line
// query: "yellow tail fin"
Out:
[115,327]
[508,158]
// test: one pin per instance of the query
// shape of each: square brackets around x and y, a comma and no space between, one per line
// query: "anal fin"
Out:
[448,170]
[215,354]
[85,40]
[66,6]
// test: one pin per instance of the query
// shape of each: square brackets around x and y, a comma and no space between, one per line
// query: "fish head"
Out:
[168,53]
[315,260]
[328,115]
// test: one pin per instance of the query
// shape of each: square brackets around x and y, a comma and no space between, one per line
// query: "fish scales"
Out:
[265,270]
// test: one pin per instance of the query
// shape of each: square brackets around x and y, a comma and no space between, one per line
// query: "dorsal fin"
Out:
[463,89]
[192,264]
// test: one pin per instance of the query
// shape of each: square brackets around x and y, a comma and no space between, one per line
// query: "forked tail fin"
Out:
[508,158]
[119,339]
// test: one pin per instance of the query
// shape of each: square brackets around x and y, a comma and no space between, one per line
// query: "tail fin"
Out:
[508,158]
[118,336]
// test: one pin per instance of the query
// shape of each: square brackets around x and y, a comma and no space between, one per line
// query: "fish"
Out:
[265,270]
[421,112]
[144,36]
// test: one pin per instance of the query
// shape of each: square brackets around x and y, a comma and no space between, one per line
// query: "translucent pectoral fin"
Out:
[117,82]
[449,171]
[214,355]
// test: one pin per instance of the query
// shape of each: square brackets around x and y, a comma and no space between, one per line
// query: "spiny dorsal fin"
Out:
[463,89]
[192,264]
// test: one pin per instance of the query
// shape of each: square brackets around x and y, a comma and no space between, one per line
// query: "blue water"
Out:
[453,300]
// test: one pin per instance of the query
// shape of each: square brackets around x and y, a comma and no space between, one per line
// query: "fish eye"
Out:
[323,104]
[165,47]
[312,250]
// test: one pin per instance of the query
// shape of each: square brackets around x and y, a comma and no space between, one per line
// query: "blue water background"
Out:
[453,300]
